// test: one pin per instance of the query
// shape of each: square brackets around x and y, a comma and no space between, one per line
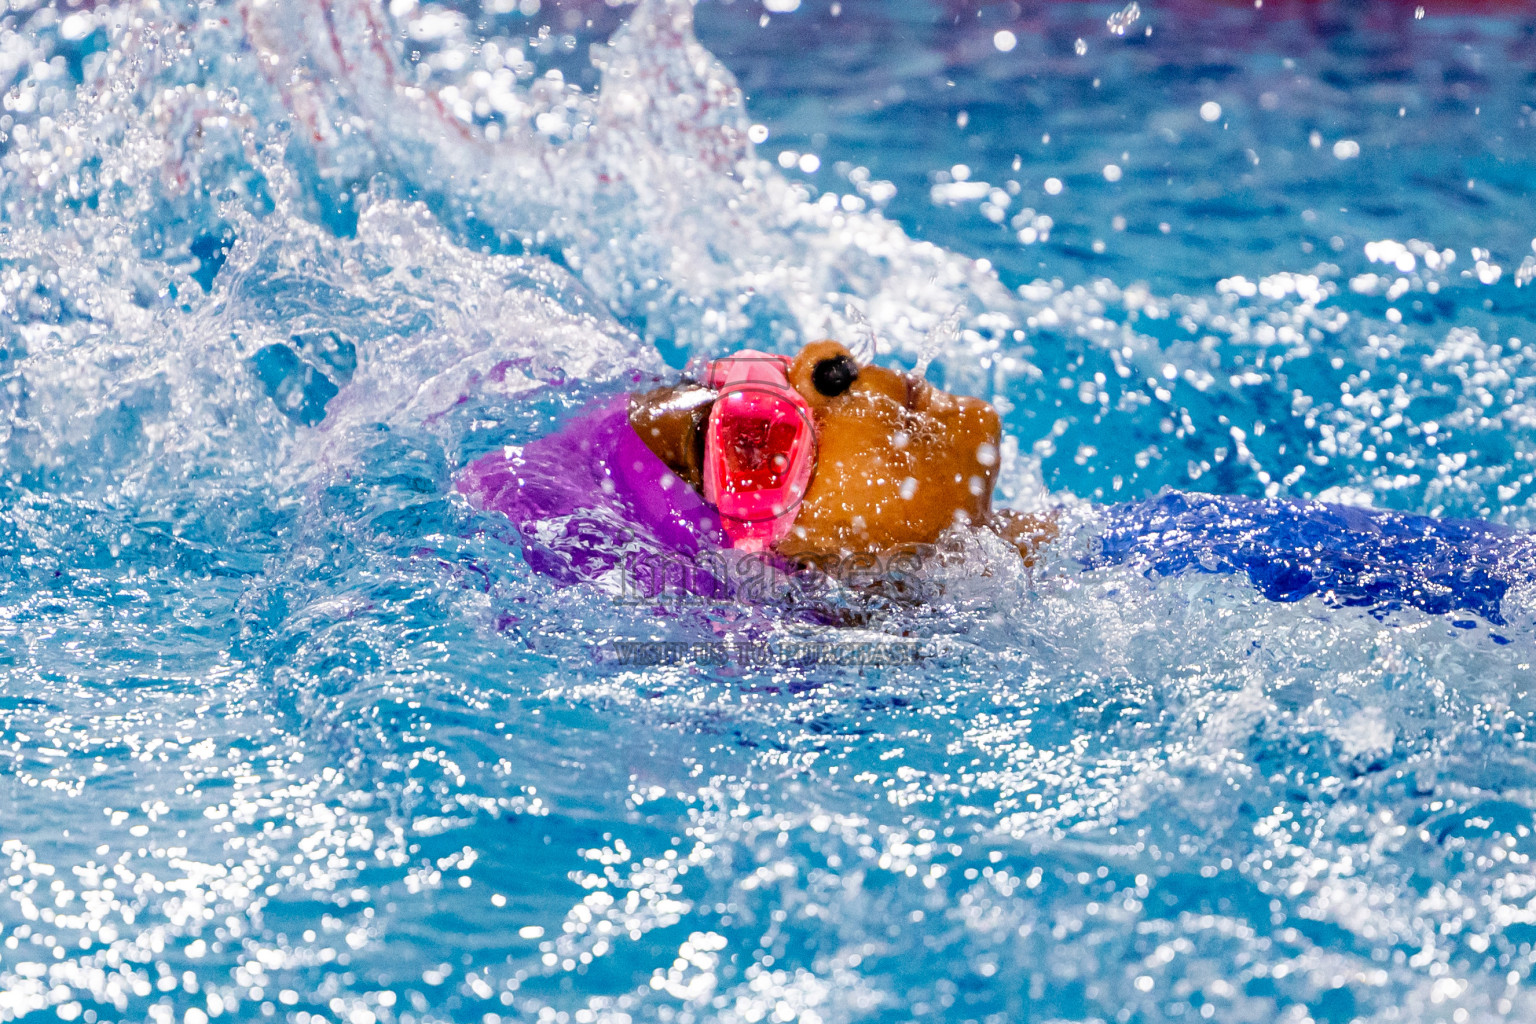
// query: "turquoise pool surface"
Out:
[290,732]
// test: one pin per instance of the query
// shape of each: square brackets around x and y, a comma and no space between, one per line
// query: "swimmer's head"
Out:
[896,461]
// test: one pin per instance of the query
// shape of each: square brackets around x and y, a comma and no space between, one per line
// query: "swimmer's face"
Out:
[897,460]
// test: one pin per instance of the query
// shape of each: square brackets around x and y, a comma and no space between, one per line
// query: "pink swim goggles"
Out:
[759,448]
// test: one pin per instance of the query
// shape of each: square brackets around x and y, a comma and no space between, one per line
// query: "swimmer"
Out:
[890,461]
[817,457]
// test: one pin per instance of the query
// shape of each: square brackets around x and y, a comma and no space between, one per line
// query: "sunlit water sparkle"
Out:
[290,732]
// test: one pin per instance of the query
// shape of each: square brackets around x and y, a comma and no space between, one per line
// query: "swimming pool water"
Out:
[289,732]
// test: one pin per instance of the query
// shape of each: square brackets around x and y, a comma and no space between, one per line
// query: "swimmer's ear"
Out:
[822,371]
[671,422]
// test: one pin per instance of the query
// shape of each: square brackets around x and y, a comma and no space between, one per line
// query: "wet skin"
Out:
[898,461]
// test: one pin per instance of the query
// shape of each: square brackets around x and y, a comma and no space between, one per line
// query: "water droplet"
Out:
[1123,19]
[943,334]
[861,341]
[1527,272]
[1080,47]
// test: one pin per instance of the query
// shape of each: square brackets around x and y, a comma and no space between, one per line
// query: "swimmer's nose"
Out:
[824,371]
[834,375]
[877,380]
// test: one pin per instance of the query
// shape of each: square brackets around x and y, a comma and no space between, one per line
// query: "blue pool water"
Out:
[289,732]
